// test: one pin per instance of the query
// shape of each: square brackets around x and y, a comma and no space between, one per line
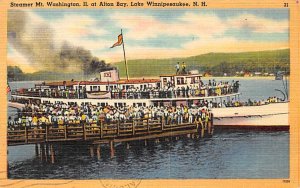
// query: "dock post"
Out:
[47,131]
[36,150]
[47,152]
[118,127]
[145,142]
[209,128]
[26,135]
[52,153]
[98,151]
[42,151]
[65,131]
[127,145]
[83,129]
[92,151]
[162,123]
[101,129]
[112,149]
[202,129]
[212,123]
[148,127]
[133,131]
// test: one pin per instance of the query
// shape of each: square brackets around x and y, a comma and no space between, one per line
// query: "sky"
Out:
[160,33]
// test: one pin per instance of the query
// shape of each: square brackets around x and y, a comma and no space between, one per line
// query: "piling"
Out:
[92,151]
[42,151]
[47,152]
[52,153]
[112,149]
[98,151]
[36,150]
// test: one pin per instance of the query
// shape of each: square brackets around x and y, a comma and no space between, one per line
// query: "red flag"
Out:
[120,41]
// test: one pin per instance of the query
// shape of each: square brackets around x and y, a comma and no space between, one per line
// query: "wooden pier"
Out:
[97,134]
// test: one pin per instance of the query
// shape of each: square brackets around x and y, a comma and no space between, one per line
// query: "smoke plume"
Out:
[39,46]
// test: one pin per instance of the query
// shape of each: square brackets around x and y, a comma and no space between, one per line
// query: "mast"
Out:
[126,67]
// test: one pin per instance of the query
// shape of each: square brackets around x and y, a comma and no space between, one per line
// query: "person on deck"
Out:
[183,66]
[177,68]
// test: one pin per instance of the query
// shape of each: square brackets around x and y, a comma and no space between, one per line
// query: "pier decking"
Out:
[103,133]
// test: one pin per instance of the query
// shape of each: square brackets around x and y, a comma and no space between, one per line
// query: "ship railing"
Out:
[179,93]
[165,94]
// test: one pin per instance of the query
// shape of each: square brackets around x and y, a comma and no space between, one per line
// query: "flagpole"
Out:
[124,56]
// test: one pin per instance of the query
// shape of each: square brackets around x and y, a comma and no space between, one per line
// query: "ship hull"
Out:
[271,115]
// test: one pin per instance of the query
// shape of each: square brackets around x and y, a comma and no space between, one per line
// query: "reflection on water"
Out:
[229,154]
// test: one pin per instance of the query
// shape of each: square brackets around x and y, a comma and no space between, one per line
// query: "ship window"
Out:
[116,105]
[165,81]
[106,88]
[193,80]
[91,88]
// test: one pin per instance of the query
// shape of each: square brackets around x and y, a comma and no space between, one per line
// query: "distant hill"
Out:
[14,73]
[215,63]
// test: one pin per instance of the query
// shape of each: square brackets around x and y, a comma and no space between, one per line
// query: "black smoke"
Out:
[38,45]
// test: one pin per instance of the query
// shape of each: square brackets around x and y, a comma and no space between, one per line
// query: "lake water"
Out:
[230,153]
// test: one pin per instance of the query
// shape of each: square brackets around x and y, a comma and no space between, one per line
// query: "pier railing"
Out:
[101,131]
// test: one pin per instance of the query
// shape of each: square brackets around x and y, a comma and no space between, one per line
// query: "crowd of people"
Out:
[58,114]
[212,88]
[249,102]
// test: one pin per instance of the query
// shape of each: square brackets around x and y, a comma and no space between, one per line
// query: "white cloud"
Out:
[72,28]
[145,26]
[257,24]
[193,48]
[75,27]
